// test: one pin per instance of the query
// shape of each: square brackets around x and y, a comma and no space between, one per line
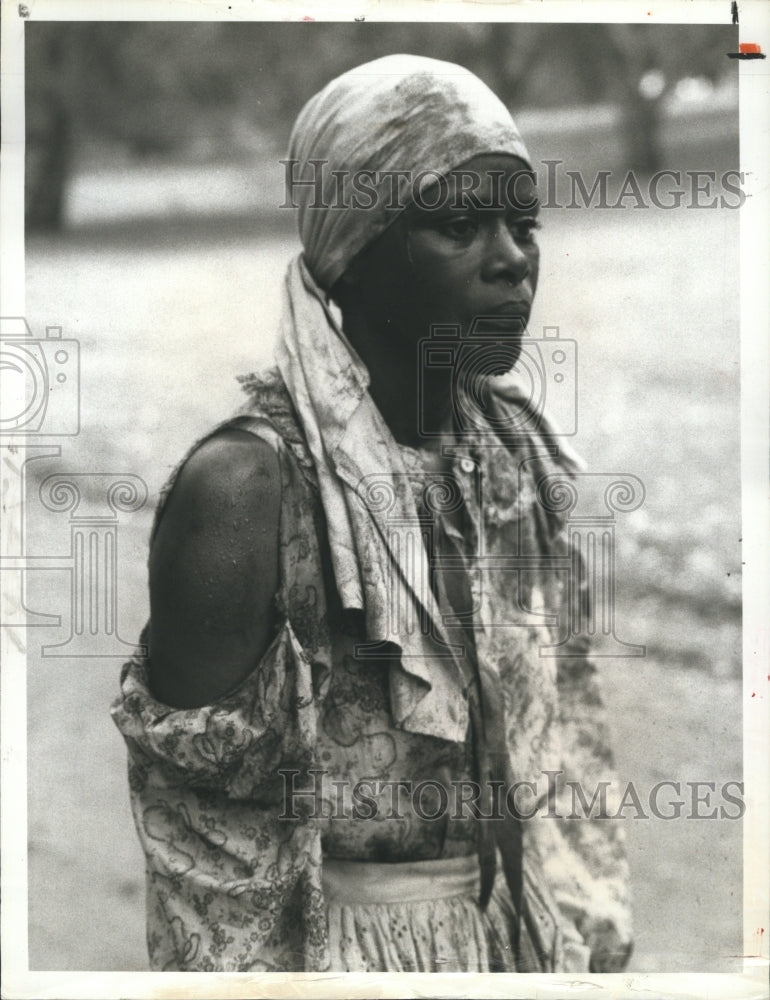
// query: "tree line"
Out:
[156,88]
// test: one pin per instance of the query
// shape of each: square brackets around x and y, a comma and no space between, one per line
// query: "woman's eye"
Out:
[460,229]
[523,230]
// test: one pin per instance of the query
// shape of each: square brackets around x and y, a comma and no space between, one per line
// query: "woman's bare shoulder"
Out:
[226,493]
[233,464]
[214,569]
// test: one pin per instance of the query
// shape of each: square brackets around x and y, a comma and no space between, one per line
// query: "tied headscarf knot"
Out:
[412,117]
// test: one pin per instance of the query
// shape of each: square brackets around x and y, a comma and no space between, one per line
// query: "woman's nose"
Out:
[504,257]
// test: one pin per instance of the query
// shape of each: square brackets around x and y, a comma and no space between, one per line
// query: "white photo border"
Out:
[18,981]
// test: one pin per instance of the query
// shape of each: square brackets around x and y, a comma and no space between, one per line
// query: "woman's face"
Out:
[459,261]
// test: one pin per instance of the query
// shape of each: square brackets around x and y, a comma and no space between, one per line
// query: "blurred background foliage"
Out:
[207,91]
[153,179]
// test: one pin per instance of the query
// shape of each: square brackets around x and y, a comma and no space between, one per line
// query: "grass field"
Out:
[167,314]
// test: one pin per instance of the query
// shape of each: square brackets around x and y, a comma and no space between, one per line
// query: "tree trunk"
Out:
[46,162]
[641,129]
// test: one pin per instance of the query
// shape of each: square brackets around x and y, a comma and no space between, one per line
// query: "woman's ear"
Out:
[347,288]
[340,292]
[352,274]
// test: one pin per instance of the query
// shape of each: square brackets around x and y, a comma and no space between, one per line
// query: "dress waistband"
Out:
[357,883]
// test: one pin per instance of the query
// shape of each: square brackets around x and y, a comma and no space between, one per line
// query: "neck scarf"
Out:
[396,118]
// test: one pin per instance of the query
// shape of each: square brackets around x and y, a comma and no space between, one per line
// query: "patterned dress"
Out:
[241,804]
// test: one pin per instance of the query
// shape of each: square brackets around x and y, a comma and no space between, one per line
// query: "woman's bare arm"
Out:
[214,571]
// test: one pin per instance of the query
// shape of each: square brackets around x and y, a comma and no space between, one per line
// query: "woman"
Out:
[352,589]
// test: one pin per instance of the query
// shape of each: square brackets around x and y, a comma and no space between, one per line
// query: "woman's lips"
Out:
[517,308]
[510,317]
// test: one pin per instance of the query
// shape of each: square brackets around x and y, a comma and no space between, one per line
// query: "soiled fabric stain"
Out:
[233,884]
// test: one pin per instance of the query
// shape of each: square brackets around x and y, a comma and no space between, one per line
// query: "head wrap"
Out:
[403,113]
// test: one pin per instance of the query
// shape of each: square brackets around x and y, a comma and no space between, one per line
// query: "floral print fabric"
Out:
[236,883]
